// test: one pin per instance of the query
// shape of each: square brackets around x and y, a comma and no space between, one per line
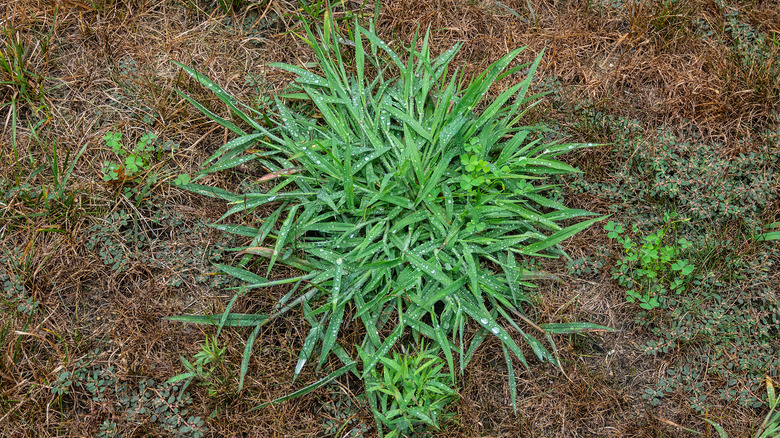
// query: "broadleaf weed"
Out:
[136,161]
[721,329]
[650,269]
[163,405]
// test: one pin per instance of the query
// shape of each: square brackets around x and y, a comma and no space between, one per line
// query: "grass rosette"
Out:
[412,391]
[402,207]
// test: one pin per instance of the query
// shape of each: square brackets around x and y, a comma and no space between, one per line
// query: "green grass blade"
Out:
[573,327]
[551,164]
[180,377]
[69,171]
[232,319]
[487,322]
[236,143]
[308,347]
[409,121]
[281,238]
[311,387]
[222,121]
[241,274]
[430,268]
[223,95]
[382,351]
[718,428]
[240,230]
[250,343]
[774,235]
[229,163]
[560,236]
[512,383]
[213,192]
[332,332]
[444,343]
[304,76]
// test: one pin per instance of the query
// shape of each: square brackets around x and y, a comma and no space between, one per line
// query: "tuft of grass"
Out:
[18,77]
[412,392]
[401,207]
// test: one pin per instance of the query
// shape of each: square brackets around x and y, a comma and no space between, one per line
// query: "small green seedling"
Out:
[182,179]
[650,269]
[134,160]
[411,392]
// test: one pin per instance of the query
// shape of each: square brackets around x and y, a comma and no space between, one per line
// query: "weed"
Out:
[122,241]
[42,186]
[653,269]
[17,75]
[412,392]
[728,329]
[752,50]
[342,412]
[15,294]
[690,178]
[149,403]
[135,161]
[21,82]
[722,323]
[385,208]
[209,368]
[584,267]
[104,239]
[263,101]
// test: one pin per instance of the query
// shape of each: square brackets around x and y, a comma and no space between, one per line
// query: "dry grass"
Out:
[643,61]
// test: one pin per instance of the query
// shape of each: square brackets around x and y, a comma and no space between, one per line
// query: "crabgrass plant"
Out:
[402,207]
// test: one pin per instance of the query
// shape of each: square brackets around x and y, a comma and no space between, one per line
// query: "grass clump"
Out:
[402,207]
[412,392]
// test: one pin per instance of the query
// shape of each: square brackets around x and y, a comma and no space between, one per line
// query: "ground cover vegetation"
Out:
[391,209]
[303,115]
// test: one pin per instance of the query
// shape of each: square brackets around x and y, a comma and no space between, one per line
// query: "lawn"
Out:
[407,218]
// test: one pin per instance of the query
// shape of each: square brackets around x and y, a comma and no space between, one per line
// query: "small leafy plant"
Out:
[342,414]
[165,406]
[134,160]
[208,367]
[15,295]
[412,392]
[137,161]
[584,266]
[650,269]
